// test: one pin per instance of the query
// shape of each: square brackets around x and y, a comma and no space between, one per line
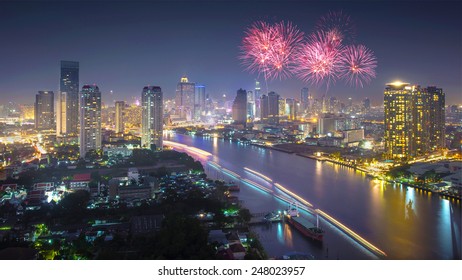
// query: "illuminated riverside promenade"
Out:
[402,222]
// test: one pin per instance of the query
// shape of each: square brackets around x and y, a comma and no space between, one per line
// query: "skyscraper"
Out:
[304,99]
[44,110]
[414,120]
[152,118]
[199,101]
[90,119]
[367,104]
[240,107]
[437,123]
[184,98]
[291,108]
[69,94]
[281,107]
[264,106]
[250,104]
[119,116]
[257,100]
[61,113]
[273,107]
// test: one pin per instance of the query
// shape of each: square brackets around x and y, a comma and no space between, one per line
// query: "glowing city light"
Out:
[353,234]
[279,186]
[258,174]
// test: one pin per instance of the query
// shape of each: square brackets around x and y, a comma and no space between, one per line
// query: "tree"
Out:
[182,238]
[74,206]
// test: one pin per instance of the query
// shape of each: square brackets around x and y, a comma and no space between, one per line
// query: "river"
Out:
[403,222]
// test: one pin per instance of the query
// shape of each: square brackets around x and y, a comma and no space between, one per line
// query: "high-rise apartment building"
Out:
[240,107]
[44,110]
[90,119]
[437,123]
[152,117]
[119,116]
[68,98]
[184,99]
[414,120]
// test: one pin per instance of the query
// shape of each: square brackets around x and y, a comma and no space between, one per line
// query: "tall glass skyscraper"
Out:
[184,99]
[44,110]
[257,100]
[151,118]
[240,107]
[69,94]
[199,101]
[90,119]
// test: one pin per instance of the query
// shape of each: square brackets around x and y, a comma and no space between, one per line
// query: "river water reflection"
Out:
[405,223]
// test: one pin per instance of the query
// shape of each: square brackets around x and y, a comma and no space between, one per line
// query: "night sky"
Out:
[123,46]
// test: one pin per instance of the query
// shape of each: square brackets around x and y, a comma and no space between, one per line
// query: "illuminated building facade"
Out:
[264,107]
[250,105]
[69,98]
[414,120]
[133,116]
[304,99]
[184,99]
[44,110]
[291,108]
[273,107]
[257,100]
[119,116]
[281,107]
[61,113]
[90,119]
[152,118]
[437,122]
[199,101]
[240,107]
[27,112]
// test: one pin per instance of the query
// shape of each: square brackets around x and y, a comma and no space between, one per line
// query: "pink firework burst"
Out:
[287,39]
[256,47]
[318,60]
[270,49]
[338,26]
[358,65]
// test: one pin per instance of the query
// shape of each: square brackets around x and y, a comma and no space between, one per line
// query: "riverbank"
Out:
[310,151]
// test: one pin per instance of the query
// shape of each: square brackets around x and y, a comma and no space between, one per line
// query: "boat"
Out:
[303,225]
[273,216]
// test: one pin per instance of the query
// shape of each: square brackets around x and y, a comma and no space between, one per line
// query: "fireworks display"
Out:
[358,65]
[270,49]
[338,25]
[280,50]
[318,59]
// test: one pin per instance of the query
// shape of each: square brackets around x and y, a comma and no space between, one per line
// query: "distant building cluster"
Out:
[78,116]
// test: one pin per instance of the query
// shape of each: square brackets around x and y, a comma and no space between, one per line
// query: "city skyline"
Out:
[119,62]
